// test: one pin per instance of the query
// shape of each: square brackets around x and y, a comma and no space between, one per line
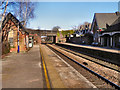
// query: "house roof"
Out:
[115,26]
[105,18]
[14,20]
[116,21]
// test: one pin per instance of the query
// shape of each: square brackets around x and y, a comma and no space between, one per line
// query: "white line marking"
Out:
[87,81]
[39,64]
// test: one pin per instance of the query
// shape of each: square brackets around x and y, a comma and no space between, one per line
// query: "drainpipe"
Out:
[18,39]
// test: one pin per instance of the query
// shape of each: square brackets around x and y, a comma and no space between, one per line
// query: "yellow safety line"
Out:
[45,71]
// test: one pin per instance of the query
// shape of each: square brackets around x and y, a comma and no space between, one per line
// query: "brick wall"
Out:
[10,26]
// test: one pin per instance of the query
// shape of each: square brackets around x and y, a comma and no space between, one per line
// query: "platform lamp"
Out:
[18,50]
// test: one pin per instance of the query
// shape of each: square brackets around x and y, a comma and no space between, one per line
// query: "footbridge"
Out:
[52,35]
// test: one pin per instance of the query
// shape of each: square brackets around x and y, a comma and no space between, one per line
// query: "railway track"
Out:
[76,49]
[98,80]
[92,59]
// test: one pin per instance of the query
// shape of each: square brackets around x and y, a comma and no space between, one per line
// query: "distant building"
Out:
[100,21]
[83,29]
[83,35]
[14,33]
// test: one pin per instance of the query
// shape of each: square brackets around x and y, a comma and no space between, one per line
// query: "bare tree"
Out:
[22,10]
[56,28]
[25,11]
[74,27]
[4,8]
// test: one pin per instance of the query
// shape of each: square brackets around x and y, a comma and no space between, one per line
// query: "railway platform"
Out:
[22,70]
[61,74]
[94,48]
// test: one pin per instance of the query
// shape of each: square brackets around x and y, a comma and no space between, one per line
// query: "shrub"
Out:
[5,48]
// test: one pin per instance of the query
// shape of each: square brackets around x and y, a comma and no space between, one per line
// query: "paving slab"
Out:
[55,79]
[22,70]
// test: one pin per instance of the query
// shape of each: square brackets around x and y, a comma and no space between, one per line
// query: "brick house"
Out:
[83,29]
[14,33]
[83,35]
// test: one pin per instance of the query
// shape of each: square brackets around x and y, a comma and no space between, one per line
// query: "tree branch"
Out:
[2,2]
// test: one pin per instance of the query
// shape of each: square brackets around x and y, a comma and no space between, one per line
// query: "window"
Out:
[11,41]
[119,39]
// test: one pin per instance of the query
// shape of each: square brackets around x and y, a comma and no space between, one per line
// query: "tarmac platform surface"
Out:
[22,70]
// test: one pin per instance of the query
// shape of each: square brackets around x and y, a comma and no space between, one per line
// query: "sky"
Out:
[68,14]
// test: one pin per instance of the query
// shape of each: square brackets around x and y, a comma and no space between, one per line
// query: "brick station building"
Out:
[14,34]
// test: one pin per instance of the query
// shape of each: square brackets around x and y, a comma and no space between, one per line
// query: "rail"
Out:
[99,76]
